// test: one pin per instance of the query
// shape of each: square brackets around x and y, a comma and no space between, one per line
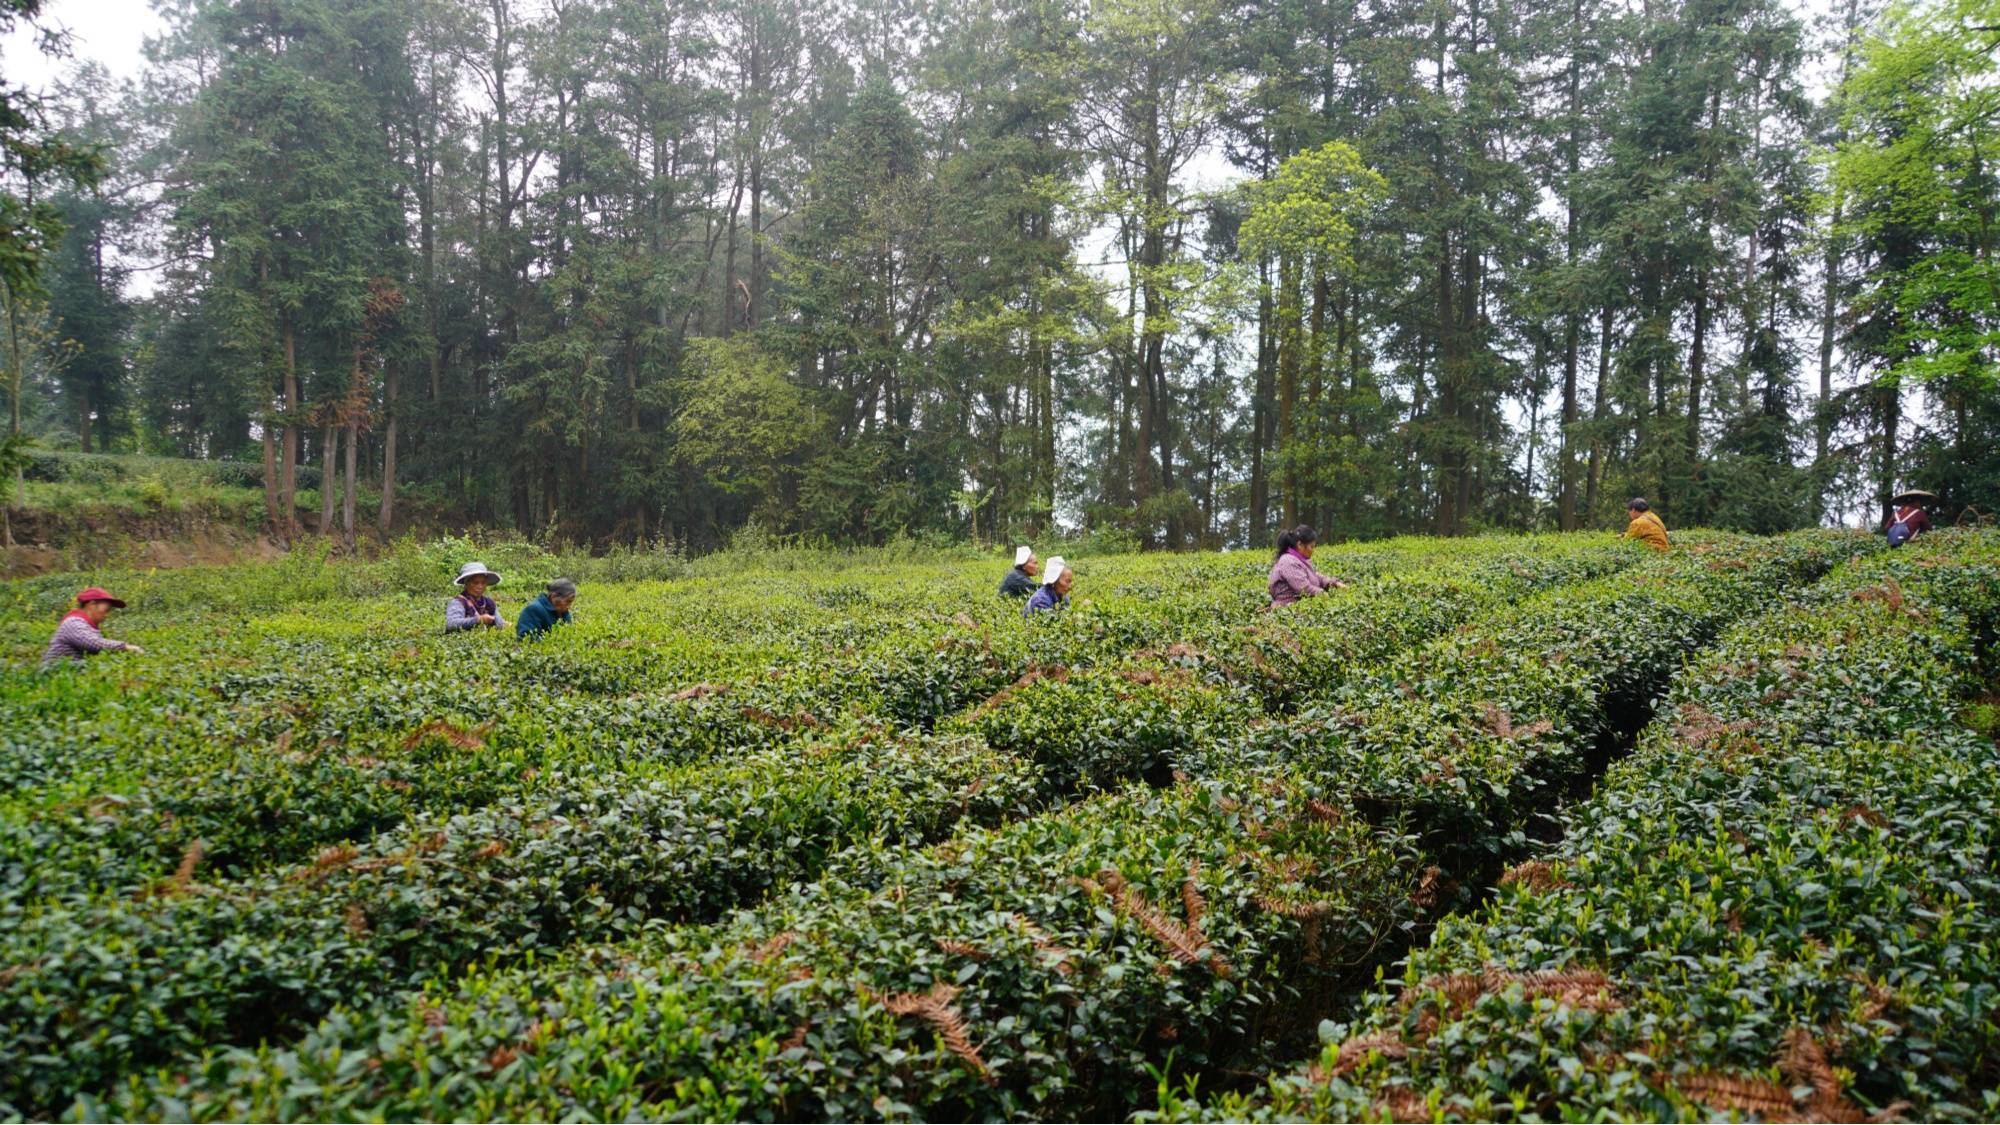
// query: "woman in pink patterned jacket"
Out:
[1292,575]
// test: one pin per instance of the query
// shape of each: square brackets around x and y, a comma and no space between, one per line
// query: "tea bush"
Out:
[797,835]
[1783,905]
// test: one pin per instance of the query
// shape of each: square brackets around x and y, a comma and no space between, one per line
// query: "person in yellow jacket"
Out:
[1645,526]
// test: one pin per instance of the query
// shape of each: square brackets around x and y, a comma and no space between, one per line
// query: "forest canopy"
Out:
[1178,270]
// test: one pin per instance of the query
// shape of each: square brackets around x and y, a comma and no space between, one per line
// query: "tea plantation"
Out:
[1543,828]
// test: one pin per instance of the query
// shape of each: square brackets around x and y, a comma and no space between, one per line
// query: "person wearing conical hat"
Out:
[471,608]
[1020,581]
[79,636]
[1907,518]
[1057,578]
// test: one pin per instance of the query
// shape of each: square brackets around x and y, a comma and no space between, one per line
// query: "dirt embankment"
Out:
[86,538]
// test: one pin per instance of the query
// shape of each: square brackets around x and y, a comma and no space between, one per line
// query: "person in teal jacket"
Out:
[549,609]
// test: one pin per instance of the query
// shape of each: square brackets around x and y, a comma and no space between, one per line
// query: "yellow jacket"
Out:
[1647,528]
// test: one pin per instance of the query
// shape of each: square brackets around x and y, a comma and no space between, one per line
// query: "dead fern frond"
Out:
[1736,1093]
[1035,673]
[1586,989]
[1183,944]
[500,1059]
[357,921]
[697,691]
[451,733]
[962,949]
[797,1038]
[1402,1104]
[1320,810]
[1432,887]
[1538,876]
[1191,901]
[935,1008]
[490,849]
[1354,1051]
[763,951]
[1864,814]
[1046,945]
[183,876]
[1803,1063]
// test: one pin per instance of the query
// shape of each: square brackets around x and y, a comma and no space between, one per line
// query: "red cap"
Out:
[98,594]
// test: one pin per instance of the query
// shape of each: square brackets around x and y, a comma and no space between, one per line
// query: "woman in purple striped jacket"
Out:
[78,637]
[1292,575]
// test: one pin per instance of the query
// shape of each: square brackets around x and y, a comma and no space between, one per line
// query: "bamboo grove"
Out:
[619,270]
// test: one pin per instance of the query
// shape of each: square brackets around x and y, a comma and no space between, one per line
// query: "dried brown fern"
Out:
[1538,876]
[1320,810]
[1191,901]
[1355,1051]
[1735,1093]
[1863,814]
[935,1008]
[1046,945]
[962,948]
[1183,944]
[696,691]
[183,876]
[1402,1104]
[797,1038]
[357,921]
[1432,887]
[463,738]
[763,951]
[1803,1063]
[328,861]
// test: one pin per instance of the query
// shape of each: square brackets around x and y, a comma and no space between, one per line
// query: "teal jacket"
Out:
[538,617]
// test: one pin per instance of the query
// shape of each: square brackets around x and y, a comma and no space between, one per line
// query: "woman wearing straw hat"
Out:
[1020,581]
[1908,519]
[1057,578]
[79,635]
[470,608]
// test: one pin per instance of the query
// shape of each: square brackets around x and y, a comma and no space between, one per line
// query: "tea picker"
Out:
[80,635]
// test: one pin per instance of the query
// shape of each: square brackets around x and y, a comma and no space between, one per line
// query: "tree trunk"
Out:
[1890,395]
[1260,403]
[270,475]
[329,453]
[1289,343]
[83,418]
[385,517]
[288,469]
[1595,475]
[1566,449]
[347,493]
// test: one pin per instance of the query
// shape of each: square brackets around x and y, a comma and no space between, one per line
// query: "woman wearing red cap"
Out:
[78,636]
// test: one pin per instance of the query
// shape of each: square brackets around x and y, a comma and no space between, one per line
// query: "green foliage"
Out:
[724,807]
[1782,903]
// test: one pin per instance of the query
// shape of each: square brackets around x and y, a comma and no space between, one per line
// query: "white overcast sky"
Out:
[111,32]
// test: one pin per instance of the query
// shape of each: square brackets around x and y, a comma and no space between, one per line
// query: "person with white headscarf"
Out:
[1057,578]
[1020,581]
[470,608]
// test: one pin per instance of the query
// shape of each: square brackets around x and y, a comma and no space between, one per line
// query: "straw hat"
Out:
[1916,494]
[474,570]
[1053,570]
